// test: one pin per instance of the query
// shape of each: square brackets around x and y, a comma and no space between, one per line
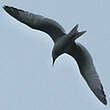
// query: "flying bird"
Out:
[64,43]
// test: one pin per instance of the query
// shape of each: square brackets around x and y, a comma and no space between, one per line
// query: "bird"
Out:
[64,43]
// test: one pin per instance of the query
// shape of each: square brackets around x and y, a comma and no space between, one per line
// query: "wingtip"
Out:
[6,8]
[104,101]
[11,11]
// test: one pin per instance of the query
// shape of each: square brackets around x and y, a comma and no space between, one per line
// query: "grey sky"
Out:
[27,79]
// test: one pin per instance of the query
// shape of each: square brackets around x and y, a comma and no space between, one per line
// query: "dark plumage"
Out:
[64,43]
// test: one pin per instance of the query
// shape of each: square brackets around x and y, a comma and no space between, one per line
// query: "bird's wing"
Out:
[87,70]
[38,22]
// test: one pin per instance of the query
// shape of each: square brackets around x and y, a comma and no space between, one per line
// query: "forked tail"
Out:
[74,32]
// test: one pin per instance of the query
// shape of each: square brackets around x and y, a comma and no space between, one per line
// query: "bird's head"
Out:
[56,53]
[53,61]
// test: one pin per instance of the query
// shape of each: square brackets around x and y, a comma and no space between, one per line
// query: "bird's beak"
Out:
[53,61]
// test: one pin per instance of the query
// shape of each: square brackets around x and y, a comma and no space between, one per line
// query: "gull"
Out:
[64,43]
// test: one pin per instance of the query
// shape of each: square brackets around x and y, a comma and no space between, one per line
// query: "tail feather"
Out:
[74,32]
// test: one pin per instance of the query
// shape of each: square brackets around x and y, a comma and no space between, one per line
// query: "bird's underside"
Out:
[87,70]
[37,22]
[76,50]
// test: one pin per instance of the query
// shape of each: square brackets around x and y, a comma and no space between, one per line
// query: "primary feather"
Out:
[38,22]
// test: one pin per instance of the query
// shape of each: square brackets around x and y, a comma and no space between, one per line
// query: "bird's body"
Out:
[64,43]
[61,46]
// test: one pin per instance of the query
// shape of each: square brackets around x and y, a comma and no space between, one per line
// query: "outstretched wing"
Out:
[87,70]
[38,22]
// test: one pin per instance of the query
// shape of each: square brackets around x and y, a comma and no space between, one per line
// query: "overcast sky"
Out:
[28,81]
